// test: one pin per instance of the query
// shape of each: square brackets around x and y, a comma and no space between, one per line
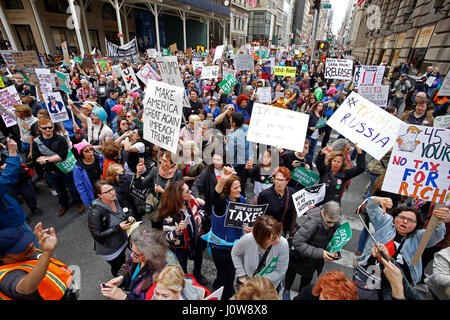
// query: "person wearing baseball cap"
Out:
[28,97]
[27,273]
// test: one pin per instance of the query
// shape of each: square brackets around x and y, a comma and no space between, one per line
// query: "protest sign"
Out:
[2,84]
[241,215]
[419,164]
[321,123]
[218,53]
[308,196]
[338,69]
[77,59]
[117,70]
[162,114]
[7,56]
[173,48]
[228,83]
[430,81]
[128,51]
[104,65]
[264,94]
[278,127]
[8,98]
[45,80]
[279,95]
[243,62]
[377,94]
[200,48]
[285,71]
[210,72]
[152,53]
[147,72]
[170,73]
[361,121]
[88,61]
[445,87]
[305,177]
[26,59]
[131,82]
[63,81]
[226,72]
[305,68]
[165,52]
[65,52]
[442,122]
[55,106]
[368,75]
[341,236]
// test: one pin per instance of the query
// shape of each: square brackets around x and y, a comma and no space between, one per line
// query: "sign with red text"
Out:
[419,166]
[377,94]
[8,98]
[147,72]
[131,82]
[361,121]
[368,75]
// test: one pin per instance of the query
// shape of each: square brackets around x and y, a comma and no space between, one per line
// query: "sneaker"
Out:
[36,211]
[62,211]
[80,208]
[53,191]
[286,294]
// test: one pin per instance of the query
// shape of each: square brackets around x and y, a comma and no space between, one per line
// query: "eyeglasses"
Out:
[110,191]
[280,180]
[136,256]
[409,220]
[46,128]
[88,150]
[329,221]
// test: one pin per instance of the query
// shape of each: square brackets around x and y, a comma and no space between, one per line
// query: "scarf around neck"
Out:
[168,174]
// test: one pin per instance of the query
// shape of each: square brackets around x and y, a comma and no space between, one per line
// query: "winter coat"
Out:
[82,182]
[192,290]
[310,240]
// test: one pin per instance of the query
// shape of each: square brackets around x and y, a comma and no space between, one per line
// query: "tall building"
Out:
[287,16]
[239,22]
[394,31]
[344,32]
[263,26]
[303,20]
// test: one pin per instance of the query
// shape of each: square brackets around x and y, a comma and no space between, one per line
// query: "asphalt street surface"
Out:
[76,245]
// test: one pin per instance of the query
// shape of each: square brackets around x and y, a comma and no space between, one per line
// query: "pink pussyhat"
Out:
[134,94]
[80,146]
[117,108]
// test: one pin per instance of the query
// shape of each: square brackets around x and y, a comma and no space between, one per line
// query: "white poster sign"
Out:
[278,127]
[442,122]
[56,107]
[8,98]
[338,69]
[368,75]
[420,163]
[308,196]
[210,72]
[170,73]
[131,82]
[361,121]
[227,71]
[45,79]
[264,94]
[377,94]
[147,72]
[445,88]
[117,70]
[243,62]
[162,114]
[218,53]
[152,53]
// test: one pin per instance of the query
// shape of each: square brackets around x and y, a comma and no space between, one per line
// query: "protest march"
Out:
[255,162]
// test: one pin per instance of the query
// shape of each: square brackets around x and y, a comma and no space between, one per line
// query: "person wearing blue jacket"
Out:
[11,213]
[87,171]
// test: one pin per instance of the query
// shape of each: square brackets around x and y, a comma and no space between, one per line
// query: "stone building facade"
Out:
[392,31]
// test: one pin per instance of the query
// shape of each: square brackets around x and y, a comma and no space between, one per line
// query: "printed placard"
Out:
[45,79]
[241,215]
[308,196]
[285,71]
[377,94]
[368,75]
[131,82]
[419,166]
[163,110]
[147,73]
[341,237]
[228,83]
[338,69]
[321,123]
[244,62]
[210,72]
[305,177]
[361,121]
[278,127]
[55,106]
[8,98]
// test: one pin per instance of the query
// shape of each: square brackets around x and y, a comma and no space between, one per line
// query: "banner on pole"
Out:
[128,51]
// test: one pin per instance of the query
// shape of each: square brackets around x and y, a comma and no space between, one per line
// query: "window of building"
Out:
[60,35]
[93,35]
[108,12]
[56,6]
[12,4]
[25,36]
[112,37]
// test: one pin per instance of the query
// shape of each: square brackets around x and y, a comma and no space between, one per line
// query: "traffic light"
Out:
[316,4]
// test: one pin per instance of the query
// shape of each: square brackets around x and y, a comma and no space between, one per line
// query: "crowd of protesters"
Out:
[180,200]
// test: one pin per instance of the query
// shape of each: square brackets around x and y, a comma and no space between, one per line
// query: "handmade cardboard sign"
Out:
[162,114]
[45,79]
[341,236]
[442,122]
[285,71]
[264,94]
[104,65]
[8,98]
[240,215]
[131,82]
[361,121]
[308,196]
[419,166]
[210,72]
[338,69]
[26,59]
[278,127]
[306,177]
[377,94]
[244,62]
[55,106]
[147,72]
[445,87]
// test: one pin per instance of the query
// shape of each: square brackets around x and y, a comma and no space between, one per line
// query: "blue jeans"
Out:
[373,178]
[362,239]
[63,182]
[312,147]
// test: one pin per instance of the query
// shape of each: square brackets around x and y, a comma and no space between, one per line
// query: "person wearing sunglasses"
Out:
[108,223]
[87,171]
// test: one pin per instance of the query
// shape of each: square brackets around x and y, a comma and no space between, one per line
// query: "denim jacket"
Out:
[239,146]
[385,231]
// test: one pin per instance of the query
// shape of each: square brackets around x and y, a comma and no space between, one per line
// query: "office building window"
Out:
[56,6]
[12,4]
[26,39]
[108,12]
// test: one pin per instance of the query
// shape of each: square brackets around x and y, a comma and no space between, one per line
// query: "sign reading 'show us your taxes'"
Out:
[278,127]
[419,166]
[338,69]
[361,121]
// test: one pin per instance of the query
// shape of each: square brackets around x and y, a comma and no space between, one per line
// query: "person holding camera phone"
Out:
[400,89]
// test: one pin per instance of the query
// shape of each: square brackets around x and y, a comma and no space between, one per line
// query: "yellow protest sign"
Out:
[2,85]
[285,71]
[200,48]
[300,54]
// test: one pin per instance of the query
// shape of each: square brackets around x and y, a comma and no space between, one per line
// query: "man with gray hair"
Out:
[310,243]
[85,90]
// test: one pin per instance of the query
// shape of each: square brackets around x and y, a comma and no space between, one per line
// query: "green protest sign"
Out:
[342,235]
[166,52]
[305,68]
[321,123]
[63,81]
[77,59]
[306,177]
[228,83]
[204,54]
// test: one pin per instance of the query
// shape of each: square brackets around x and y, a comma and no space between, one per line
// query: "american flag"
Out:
[360,2]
